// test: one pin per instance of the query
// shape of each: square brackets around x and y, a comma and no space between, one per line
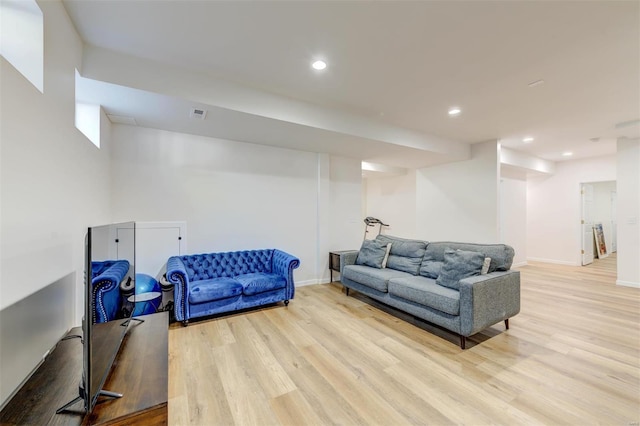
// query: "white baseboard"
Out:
[557,262]
[628,284]
[519,264]
[312,282]
[307,282]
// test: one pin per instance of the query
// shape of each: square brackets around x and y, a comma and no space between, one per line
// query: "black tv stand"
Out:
[73,402]
[81,397]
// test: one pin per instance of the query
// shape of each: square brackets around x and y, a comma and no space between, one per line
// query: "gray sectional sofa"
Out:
[462,287]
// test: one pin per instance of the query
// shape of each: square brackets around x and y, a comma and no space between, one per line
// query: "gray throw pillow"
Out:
[459,264]
[371,253]
[430,266]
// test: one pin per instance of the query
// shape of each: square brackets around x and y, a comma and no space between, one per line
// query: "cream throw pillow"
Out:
[386,256]
[485,266]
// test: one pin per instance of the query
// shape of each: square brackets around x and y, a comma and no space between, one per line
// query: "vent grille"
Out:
[198,113]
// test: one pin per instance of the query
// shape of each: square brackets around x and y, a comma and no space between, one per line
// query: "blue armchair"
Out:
[211,283]
[106,277]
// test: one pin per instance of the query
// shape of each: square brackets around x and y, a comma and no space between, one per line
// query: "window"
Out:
[22,38]
[87,114]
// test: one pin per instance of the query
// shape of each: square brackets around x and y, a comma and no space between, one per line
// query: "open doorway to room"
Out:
[599,227]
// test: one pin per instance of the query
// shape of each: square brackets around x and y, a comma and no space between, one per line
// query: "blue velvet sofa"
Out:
[106,277]
[212,283]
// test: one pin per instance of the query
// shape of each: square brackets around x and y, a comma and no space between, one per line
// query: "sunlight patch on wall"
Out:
[87,117]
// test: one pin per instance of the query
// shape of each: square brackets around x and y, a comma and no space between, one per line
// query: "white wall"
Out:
[235,195]
[393,200]
[513,215]
[460,201]
[553,209]
[54,183]
[602,211]
[345,209]
[628,189]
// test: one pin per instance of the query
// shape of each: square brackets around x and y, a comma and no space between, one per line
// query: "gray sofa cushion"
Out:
[459,264]
[372,253]
[405,255]
[426,292]
[501,254]
[371,277]
[430,266]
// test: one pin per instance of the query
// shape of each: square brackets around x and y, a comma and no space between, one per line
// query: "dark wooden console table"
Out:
[334,261]
[140,372]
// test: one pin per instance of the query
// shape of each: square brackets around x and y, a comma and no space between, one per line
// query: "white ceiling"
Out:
[403,64]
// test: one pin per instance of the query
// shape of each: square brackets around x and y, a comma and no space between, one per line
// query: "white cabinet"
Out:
[155,243]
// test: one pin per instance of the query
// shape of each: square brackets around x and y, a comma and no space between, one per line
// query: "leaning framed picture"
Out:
[601,246]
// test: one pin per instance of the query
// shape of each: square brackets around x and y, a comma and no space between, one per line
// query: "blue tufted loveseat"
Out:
[212,283]
[106,277]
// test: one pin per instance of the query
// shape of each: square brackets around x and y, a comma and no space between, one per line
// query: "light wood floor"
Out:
[572,356]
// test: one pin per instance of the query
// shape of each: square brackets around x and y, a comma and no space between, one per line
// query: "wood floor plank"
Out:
[292,409]
[330,407]
[572,356]
[370,405]
[272,377]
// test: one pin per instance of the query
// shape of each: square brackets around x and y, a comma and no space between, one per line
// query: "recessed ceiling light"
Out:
[319,65]
[454,111]
[567,154]
[527,139]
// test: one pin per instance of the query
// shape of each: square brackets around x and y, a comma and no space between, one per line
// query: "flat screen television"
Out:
[108,304]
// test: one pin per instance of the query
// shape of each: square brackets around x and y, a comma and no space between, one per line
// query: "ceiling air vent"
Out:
[198,113]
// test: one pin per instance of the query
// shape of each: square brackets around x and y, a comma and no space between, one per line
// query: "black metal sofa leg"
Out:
[463,340]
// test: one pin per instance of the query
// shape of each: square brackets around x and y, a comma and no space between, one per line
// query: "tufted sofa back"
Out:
[228,264]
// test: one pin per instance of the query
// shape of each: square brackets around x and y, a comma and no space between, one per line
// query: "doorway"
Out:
[598,213]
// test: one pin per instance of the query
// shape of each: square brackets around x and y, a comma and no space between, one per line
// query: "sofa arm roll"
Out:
[106,291]
[177,275]
[283,264]
[488,299]
[347,258]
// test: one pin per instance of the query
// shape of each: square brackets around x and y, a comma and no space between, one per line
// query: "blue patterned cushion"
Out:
[214,289]
[459,264]
[259,282]
[371,253]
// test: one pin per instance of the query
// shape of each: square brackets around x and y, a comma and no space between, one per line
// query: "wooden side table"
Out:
[334,261]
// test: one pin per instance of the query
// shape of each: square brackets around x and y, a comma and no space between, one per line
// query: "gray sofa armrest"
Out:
[347,258]
[488,299]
